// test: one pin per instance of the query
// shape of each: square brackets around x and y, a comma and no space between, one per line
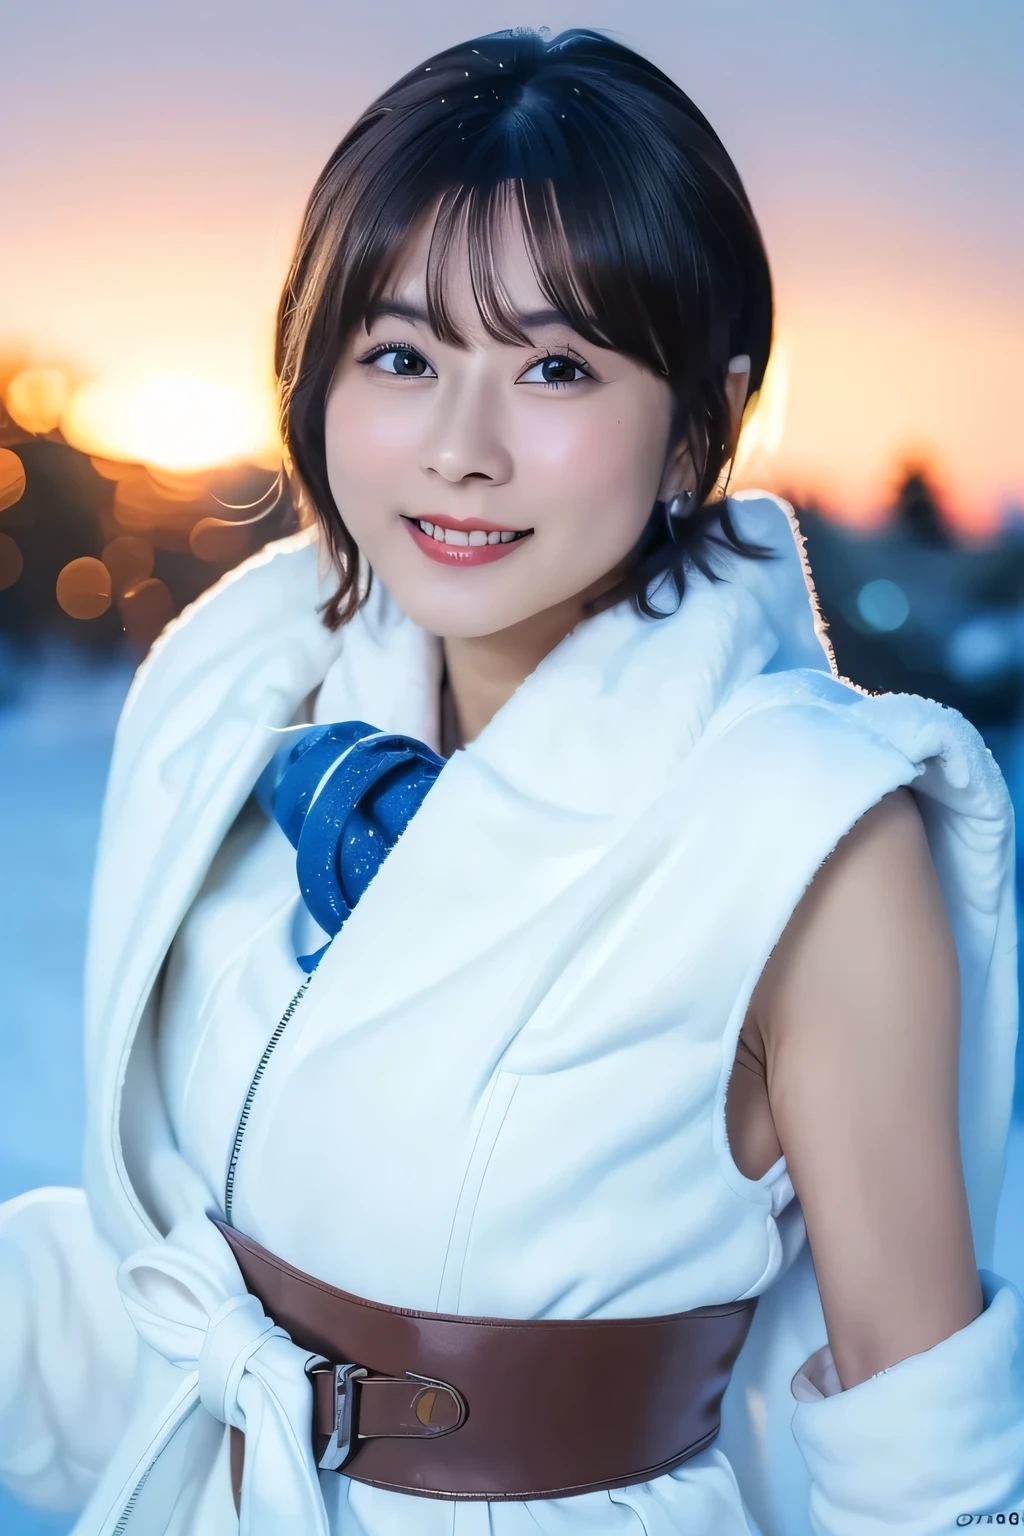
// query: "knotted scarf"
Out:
[343,794]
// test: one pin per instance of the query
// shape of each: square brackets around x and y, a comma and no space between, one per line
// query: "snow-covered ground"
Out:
[55,739]
[55,743]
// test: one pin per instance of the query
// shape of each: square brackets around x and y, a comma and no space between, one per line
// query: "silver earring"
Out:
[681,505]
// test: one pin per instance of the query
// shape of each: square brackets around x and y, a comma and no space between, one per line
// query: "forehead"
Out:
[425,259]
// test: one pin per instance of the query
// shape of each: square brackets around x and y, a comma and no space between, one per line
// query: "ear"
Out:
[737,383]
[679,474]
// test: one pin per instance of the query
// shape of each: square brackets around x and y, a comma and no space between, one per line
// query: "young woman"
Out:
[591,957]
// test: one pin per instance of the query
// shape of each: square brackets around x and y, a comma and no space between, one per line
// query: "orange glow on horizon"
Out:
[899,376]
[875,366]
[172,422]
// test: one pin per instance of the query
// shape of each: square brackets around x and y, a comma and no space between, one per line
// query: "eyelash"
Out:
[384,347]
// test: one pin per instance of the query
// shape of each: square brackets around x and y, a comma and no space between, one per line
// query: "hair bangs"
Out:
[475,221]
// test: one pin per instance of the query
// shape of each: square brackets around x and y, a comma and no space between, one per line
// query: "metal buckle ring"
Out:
[340,1447]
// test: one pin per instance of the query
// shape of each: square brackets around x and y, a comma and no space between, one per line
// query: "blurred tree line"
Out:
[107,553]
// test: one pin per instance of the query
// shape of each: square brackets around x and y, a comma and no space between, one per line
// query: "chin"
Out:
[463,621]
[462,616]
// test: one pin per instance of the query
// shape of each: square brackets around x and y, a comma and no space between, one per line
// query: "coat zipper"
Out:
[243,1120]
[126,1513]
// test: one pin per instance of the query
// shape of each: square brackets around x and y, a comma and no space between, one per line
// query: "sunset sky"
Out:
[156,159]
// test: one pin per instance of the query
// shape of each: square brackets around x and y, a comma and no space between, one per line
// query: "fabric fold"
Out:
[67,1352]
[188,1301]
[921,1446]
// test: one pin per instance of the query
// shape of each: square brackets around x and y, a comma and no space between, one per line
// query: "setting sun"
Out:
[170,421]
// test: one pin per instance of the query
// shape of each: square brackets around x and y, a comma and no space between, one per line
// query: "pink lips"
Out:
[460,554]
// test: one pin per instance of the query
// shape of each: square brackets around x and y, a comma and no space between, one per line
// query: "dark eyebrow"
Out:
[394,309]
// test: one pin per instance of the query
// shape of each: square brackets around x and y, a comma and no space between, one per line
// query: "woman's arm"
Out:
[859,1012]
[916,1423]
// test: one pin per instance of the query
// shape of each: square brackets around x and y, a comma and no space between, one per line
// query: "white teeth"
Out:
[460,536]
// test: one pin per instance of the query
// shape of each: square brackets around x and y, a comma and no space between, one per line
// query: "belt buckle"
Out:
[340,1447]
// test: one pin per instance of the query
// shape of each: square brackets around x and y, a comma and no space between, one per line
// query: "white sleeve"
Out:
[926,1445]
[67,1350]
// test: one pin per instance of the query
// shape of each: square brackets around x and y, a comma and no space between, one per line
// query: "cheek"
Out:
[363,444]
[602,461]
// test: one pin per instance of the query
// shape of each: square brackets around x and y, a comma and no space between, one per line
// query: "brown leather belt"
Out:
[453,1407]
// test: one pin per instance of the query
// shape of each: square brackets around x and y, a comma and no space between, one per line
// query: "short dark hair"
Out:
[636,220]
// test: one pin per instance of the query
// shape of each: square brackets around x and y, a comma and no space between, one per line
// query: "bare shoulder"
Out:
[875,899]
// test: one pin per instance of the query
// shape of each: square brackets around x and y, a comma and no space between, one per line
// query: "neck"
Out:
[482,672]
[480,675]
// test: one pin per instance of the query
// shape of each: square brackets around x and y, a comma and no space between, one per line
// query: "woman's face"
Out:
[560,441]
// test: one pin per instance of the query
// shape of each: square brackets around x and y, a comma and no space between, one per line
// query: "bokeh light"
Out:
[12,478]
[84,588]
[216,540]
[141,503]
[883,605]
[981,648]
[129,559]
[36,398]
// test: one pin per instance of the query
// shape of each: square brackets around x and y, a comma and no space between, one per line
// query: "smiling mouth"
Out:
[474,537]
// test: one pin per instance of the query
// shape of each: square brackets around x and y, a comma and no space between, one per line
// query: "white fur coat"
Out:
[606,868]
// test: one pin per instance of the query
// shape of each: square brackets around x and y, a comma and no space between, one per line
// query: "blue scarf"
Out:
[343,795]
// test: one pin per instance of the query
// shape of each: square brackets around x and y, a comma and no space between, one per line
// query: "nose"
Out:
[463,439]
